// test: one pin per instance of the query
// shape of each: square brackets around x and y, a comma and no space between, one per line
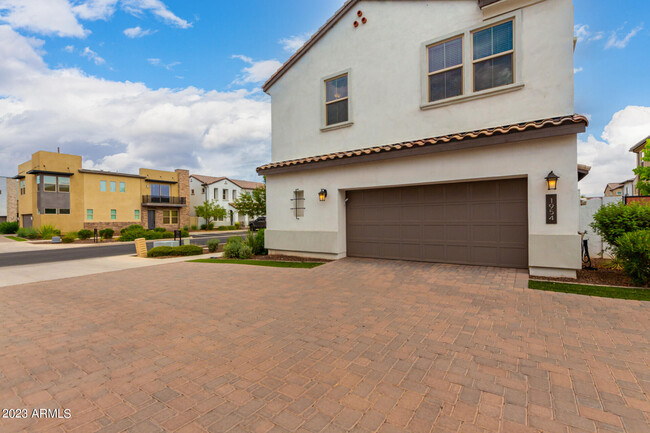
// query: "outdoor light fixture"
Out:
[322,194]
[551,181]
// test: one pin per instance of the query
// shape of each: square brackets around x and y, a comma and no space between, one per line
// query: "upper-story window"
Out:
[160,190]
[234,194]
[336,100]
[493,56]
[225,194]
[113,186]
[22,187]
[49,183]
[216,193]
[102,185]
[445,69]
[122,187]
[64,184]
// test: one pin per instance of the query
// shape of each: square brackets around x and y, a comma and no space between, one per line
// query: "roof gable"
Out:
[338,15]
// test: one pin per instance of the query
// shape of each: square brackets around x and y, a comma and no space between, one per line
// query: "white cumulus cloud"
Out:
[91,55]
[137,32]
[293,43]
[47,17]
[609,156]
[258,71]
[118,125]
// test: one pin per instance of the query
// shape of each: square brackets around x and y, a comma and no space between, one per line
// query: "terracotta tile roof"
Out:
[487,132]
[243,184]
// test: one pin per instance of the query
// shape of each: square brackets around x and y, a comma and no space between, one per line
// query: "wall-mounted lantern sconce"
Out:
[322,195]
[551,181]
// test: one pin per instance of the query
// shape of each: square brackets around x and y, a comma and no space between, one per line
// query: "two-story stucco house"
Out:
[427,130]
[223,191]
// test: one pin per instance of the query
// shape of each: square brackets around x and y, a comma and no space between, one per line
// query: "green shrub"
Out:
[204,226]
[131,227]
[152,235]
[47,231]
[27,233]
[160,229]
[9,227]
[194,228]
[235,239]
[107,233]
[237,225]
[85,234]
[634,251]
[132,234]
[168,235]
[231,249]
[183,250]
[210,226]
[69,238]
[185,233]
[223,228]
[259,248]
[614,220]
[213,245]
[245,252]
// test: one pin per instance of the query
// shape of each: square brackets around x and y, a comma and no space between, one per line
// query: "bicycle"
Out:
[584,243]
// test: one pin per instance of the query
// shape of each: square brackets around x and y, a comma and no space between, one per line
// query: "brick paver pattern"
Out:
[355,345]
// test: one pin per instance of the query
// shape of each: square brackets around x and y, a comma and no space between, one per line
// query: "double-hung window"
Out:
[445,69]
[225,194]
[170,217]
[113,186]
[89,214]
[336,100]
[122,187]
[64,184]
[22,187]
[49,183]
[136,214]
[493,56]
[113,214]
[102,185]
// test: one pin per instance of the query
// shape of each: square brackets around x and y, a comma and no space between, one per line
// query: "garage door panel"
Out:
[482,223]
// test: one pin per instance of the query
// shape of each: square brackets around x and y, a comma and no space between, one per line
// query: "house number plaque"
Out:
[551,209]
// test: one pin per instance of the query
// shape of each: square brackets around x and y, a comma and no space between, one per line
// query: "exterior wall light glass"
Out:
[322,195]
[551,181]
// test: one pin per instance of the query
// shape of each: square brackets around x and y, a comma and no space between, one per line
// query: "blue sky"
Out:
[131,83]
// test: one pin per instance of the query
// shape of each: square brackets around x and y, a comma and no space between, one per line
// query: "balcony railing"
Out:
[163,201]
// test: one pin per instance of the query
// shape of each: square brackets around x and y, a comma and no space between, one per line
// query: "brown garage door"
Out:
[476,223]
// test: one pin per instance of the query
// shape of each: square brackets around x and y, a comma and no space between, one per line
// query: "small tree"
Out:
[643,185]
[252,203]
[209,211]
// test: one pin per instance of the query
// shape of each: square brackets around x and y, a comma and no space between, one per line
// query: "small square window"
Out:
[64,211]
[49,211]
[336,100]
[113,214]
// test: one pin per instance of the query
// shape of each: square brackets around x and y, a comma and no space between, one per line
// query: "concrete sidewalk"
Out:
[14,275]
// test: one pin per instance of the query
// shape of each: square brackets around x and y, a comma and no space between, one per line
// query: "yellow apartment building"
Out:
[54,189]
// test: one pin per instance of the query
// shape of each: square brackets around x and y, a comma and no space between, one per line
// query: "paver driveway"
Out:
[356,345]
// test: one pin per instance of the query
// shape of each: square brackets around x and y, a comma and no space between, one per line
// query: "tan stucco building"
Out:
[54,189]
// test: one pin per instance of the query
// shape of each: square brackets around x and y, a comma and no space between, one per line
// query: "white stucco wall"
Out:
[322,229]
[384,57]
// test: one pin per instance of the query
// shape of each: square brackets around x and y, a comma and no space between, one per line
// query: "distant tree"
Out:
[209,211]
[253,203]
[643,184]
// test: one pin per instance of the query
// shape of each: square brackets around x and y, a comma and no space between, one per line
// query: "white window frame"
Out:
[323,102]
[468,63]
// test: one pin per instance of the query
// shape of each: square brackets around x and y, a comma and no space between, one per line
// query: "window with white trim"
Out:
[493,54]
[445,69]
[336,100]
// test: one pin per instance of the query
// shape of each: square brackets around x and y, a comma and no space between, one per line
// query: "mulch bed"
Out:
[601,276]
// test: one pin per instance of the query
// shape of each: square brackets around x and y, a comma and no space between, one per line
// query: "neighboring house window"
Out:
[336,100]
[89,214]
[113,186]
[225,194]
[445,69]
[170,217]
[49,183]
[102,185]
[192,192]
[113,214]
[122,187]
[50,211]
[234,194]
[618,193]
[64,211]
[298,203]
[136,214]
[493,54]
[22,187]
[216,193]
[64,184]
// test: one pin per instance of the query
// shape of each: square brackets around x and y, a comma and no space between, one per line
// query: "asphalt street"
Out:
[77,253]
